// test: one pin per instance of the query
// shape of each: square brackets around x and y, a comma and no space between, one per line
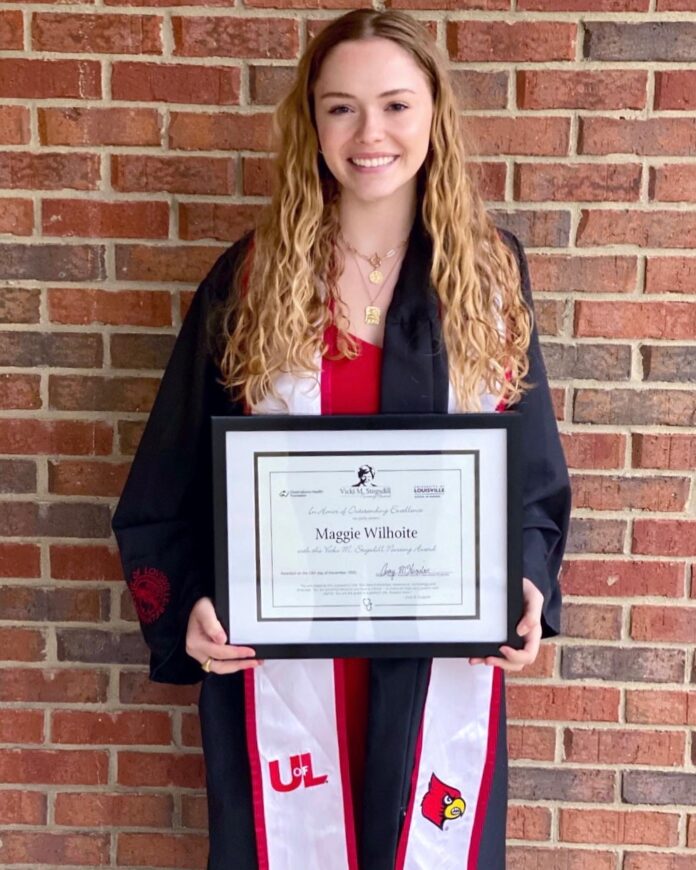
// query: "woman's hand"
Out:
[206,639]
[529,627]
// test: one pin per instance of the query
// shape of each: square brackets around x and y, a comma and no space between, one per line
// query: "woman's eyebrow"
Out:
[352,97]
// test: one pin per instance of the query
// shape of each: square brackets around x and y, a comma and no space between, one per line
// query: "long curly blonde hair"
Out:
[276,322]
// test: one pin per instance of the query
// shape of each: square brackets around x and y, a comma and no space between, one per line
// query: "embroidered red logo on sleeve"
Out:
[150,590]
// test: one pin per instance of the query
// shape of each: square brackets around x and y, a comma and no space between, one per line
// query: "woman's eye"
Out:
[399,106]
[337,110]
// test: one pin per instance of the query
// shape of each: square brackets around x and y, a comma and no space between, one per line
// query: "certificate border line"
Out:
[288,453]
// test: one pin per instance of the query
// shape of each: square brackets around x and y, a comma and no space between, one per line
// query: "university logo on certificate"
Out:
[385,535]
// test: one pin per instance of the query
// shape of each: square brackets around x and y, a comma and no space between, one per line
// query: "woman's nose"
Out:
[370,128]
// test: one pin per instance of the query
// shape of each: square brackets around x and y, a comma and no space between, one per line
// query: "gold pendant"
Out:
[376,277]
[373,315]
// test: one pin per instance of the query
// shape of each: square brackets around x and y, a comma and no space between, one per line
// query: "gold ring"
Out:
[206,664]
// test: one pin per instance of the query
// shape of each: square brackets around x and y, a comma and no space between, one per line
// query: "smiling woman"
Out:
[374,282]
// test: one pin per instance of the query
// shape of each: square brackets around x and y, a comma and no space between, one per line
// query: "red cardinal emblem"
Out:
[442,802]
[150,590]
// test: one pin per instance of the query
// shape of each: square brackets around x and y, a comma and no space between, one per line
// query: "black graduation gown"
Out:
[163,524]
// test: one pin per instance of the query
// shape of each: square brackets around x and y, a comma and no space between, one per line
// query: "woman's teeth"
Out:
[377,161]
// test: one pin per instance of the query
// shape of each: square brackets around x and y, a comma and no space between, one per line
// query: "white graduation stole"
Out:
[296,735]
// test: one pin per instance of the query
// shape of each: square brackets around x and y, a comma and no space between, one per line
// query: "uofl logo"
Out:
[300,773]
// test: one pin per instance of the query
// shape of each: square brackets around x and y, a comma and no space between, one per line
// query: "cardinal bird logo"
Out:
[442,803]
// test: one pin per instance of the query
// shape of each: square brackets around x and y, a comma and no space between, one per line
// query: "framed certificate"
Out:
[389,535]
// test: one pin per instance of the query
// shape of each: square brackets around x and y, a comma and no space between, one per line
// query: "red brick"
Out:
[86,478]
[51,849]
[163,850]
[664,537]
[212,220]
[624,746]
[19,391]
[93,126]
[537,228]
[236,37]
[584,182]
[213,175]
[556,858]
[73,562]
[490,178]
[584,5]
[113,810]
[349,4]
[543,665]
[144,350]
[55,436]
[16,475]
[558,703]
[91,218]
[654,229]
[595,451]
[634,407]
[129,434]
[653,136]
[46,262]
[269,84]
[59,604]
[675,452]
[499,41]
[670,275]
[19,560]
[81,393]
[14,124]
[190,729]
[149,263]
[117,308]
[674,89]
[671,624]
[591,621]
[49,171]
[528,823]
[50,79]
[194,812]
[525,136]
[136,688]
[603,492]
[109,729]
[160,769]
[54,767]
[22,645]
[601,89]
[225,132]
[175,83]
[257,176]
[676,5]
[615,578]
[103,34]
[531,742]
[619,827]
[657,861]
[22,807]
[59,685]
[607,274]
[480,90]
[645,41]
[661,707]
[675,182]
[21,726]
[11,31]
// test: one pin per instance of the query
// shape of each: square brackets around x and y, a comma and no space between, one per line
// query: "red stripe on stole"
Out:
[344,759]
[255,766]
[488,770]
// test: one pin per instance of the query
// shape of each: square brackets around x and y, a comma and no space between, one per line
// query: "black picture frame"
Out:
[509,421]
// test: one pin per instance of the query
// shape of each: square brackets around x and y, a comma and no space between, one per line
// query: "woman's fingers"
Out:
[222,652]
[231,667]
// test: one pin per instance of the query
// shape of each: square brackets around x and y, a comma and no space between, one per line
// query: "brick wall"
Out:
[133,148]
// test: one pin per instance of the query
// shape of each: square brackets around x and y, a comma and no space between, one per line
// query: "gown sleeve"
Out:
[546,489]
[163,522]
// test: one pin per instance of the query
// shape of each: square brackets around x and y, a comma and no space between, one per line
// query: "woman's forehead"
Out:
[369,66]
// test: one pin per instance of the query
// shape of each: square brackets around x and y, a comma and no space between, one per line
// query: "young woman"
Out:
[374,282]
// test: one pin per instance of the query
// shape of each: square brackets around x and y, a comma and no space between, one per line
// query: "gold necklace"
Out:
[375,260]
[373,313]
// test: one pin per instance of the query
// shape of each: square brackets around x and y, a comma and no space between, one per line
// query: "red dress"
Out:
[353,387]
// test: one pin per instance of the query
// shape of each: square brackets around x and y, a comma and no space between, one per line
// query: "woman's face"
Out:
[372,103]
